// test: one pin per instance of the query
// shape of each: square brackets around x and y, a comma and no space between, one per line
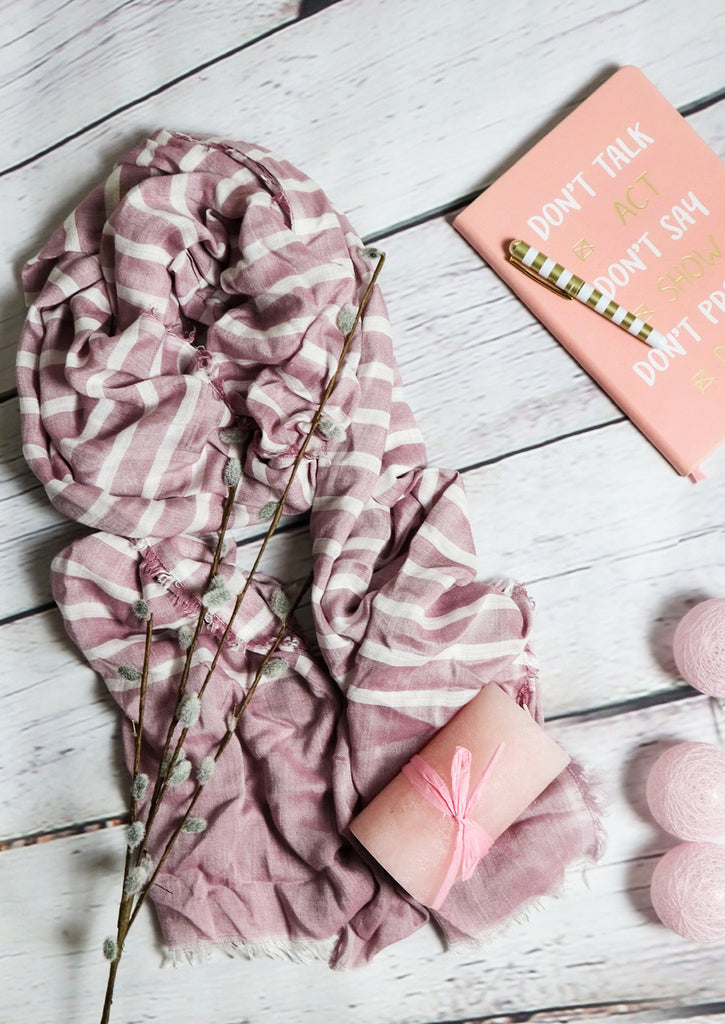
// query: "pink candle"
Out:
[435,820]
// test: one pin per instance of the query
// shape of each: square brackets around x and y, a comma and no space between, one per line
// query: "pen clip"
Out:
[536,277]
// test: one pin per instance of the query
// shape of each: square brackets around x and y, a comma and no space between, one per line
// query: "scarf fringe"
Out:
[476,944]
[300,951]
[523,914]
[598,804]
[597,801]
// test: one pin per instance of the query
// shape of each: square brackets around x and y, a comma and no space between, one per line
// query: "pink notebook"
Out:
[626,195]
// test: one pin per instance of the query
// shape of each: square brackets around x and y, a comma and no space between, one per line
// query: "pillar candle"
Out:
[433,822]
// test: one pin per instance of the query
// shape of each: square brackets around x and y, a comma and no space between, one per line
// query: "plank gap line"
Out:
[664,545]
[27,613]
[63,832]
[303,15]
[654,1010]
[695,106]
[460,202]
[542,444]
[659,698]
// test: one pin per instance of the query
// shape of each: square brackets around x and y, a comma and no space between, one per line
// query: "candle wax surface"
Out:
[413,840]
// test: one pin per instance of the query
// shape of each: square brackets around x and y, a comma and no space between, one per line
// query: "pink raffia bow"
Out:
[472,841]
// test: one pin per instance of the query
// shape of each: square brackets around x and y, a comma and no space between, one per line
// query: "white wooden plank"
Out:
[372,67]
[559,518]
[63,730]
[595,944]
[52,49]
[604,581]
[453,321]
[614,548]
[594,498]
[602,585]
[393,108]
[482,375]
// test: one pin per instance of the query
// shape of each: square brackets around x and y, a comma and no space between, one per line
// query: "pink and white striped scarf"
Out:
[199,289]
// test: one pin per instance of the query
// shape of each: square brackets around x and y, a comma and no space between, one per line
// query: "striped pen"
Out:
[541,267]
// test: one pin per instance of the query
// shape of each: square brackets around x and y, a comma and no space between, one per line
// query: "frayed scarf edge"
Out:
[523,914]
[598,805]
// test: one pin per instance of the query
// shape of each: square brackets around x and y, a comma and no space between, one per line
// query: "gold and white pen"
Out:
[544,269]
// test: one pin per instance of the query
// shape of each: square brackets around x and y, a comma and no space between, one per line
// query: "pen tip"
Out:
[657,340]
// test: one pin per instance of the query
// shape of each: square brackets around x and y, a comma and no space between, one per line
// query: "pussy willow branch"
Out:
[126,914]
[163,778]
[124,907]
[221,747]
[298,460]
[127,911]
[161,781]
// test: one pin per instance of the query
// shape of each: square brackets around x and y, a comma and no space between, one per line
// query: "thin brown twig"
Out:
[126,915]
[142,705]
[124,907]
[221,747]
[239,711]
[161,781]
[296,464]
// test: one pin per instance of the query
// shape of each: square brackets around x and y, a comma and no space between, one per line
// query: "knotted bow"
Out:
[472,841]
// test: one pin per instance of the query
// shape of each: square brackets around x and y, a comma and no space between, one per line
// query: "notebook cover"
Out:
[625,194]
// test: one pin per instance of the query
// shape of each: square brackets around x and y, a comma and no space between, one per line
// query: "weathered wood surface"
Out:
[453,321]
[85,60]
[597,943]
[400,110]
[597,595]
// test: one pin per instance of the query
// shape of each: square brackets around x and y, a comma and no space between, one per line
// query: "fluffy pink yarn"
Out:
[686,791]
[688,891]
[699,647]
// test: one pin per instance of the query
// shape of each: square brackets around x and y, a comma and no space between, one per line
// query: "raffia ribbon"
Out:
[472,841]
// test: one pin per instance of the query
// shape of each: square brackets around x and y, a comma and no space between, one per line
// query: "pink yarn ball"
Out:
[686,791]
[688,891]
[699,647]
